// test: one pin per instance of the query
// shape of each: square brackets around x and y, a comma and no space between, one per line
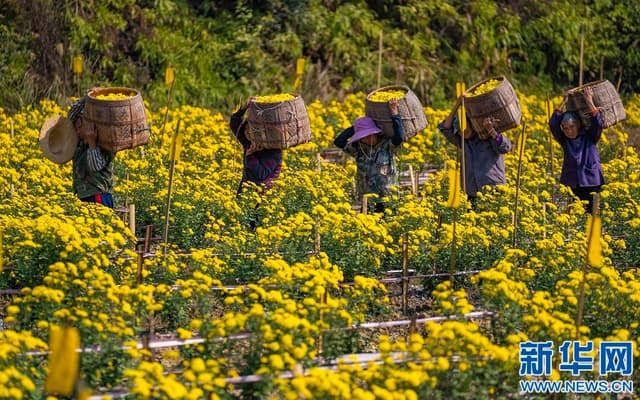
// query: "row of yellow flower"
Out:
[75,264]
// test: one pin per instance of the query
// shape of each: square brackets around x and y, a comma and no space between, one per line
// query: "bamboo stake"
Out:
[316,239]
[619,80]
[323,301]
[172,168]
[380,58]
[413,326]
[462,118]
[140,253]
[452,259]
[581,55]
[515,207]
[405,273]
[595,212]
[147,238]
[436,238]
[551,169]
[414,188]
[11,187]
[364,204]
[166,112]
[544,220]
[601,67]
[132,218]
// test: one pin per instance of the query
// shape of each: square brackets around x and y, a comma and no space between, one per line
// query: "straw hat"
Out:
[58,139]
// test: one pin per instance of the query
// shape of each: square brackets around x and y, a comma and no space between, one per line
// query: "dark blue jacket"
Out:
[484,159]
[581,166]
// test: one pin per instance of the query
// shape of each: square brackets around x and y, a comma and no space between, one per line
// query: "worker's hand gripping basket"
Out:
[605,97]
[495,98]
[411,111]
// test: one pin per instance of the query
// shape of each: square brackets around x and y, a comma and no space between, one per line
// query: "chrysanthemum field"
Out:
[286,310]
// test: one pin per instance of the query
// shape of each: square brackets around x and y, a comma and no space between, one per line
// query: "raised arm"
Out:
[342,139]
[447,126]
[398,128]
[556,119]
[499,143]
[595,128]
[237,126]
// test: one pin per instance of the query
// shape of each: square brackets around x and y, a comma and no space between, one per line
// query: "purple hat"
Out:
[364,127]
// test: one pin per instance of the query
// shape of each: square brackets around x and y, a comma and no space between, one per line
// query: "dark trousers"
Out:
[106,199]
[585,193]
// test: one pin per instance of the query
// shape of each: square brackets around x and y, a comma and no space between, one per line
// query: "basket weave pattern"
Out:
[410,110]
[279,125]
[605,97]
[501,103]
[121,124]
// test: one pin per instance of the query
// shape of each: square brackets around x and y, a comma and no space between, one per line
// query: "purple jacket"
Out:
[581,166]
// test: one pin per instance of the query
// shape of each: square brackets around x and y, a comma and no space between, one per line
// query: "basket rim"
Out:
[406,88]
[91,93]
[590,84]
[500,78]
[296,96]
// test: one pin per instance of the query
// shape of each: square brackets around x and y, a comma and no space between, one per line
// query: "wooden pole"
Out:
[462,123]
[549,111]
[364,204]
[414,188]
[166,112]
[11,187]
[380,58]
[132,218]
[140,253]
[515,206]
[619,80]
[405,273]
[323,302]
[452,258]
[165,236]
[601,67]
[551,169]
[147,238]
[581,55]
[436,238]
[595,212]
[544,220]
[316,239]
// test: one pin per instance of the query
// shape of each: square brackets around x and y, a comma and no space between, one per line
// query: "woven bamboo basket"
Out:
[121,124]
[605,97]
[500,103]
[410,109]
[280,125]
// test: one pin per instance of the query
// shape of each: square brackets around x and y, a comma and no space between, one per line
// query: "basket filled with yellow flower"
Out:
[119,116]
[411,111]
[495,98]
[605,97]
[278,121]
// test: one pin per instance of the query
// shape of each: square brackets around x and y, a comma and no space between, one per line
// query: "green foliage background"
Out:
[225,50]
